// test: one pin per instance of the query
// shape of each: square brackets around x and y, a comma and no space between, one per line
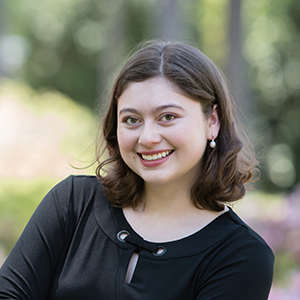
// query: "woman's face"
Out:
[162,134]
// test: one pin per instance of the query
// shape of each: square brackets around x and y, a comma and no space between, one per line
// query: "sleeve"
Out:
[30,267]
[243,271]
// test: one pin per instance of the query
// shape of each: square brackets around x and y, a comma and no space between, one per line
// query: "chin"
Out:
[159,182]
[155,180]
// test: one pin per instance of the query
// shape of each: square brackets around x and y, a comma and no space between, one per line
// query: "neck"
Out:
[168,200]
[167,215]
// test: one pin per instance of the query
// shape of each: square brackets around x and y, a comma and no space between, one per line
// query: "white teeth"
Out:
[156,156]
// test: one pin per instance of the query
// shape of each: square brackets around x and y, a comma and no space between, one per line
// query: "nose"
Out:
[149,136]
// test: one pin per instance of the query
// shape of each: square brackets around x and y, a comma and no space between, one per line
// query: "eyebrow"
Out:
[158,108]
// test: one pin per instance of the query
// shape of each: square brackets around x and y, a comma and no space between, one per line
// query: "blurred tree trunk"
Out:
[170,23]
[1,33]
[236,70]
[111,56]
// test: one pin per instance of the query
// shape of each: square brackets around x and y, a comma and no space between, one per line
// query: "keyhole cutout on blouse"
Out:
[140,244]
[131,267]
[133,260]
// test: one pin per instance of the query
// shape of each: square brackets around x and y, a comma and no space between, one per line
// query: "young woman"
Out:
[154,223]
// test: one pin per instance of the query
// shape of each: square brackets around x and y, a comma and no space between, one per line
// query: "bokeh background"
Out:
[57,62]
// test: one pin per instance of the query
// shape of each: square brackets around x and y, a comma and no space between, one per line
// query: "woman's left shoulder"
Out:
[247,241]
[240,265]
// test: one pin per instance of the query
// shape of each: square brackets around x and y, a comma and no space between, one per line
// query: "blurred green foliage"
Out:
[75,125]
[272,50]
[18,200]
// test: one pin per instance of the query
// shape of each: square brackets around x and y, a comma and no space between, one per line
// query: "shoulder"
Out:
[82,181]
[246,249]
[75,193]
[234,245]
[79,186]
[246,235]
[239,265]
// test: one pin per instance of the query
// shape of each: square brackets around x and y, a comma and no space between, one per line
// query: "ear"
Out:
[213,124]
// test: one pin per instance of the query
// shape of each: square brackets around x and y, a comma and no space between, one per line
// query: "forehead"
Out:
[152,93]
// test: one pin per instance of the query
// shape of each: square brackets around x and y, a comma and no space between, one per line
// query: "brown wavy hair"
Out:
[223,171]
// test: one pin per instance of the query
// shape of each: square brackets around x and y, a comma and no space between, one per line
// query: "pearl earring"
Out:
[212,143]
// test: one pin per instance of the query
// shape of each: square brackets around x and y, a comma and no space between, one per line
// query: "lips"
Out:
[159,155]
[154,158]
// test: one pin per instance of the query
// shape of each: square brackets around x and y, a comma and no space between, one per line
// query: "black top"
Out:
[71,250]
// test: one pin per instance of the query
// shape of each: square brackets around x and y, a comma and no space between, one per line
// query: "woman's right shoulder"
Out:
[75,193]
[77,185]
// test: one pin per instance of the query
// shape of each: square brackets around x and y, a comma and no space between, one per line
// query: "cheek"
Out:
[193,139]
[122,141]
[126,140]
[190,134]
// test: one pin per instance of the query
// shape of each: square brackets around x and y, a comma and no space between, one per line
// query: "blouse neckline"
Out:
[112,221]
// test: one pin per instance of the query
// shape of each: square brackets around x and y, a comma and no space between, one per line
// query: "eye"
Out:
[130,120]
[168,117]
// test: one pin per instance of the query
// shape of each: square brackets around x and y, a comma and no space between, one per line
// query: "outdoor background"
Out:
[57,62]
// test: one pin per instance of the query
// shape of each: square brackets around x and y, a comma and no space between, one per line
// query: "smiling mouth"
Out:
[157,155]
